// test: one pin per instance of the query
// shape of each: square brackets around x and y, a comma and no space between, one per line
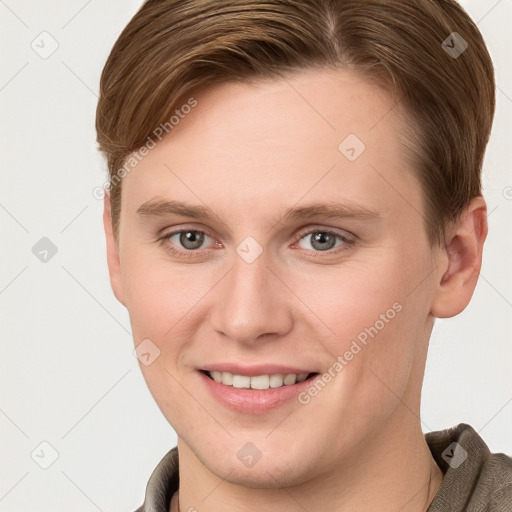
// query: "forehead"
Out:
[320,135]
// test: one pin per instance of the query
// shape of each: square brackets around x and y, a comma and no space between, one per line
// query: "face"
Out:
[277,234]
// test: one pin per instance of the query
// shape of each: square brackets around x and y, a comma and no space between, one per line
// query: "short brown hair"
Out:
[173,46]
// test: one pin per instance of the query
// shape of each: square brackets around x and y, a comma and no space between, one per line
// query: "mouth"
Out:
[258,392]
[259,382]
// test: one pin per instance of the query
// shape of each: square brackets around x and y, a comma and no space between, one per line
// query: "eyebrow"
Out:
[158,208]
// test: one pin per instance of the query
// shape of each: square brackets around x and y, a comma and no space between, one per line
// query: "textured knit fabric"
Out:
[475,480]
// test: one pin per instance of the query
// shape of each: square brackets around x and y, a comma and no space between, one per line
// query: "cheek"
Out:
[163,303]
[160,296]
[367,322]
[372,343]
[351,299]
[166,304]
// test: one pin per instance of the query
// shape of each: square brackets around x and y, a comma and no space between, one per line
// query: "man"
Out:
[294,198]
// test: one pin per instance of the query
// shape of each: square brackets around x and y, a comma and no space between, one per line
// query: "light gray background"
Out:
[67,373]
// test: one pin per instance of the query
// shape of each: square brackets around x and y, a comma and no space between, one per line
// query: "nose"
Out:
[252,304]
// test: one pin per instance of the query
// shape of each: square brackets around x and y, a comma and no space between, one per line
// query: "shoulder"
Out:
[162,484]
[474,478]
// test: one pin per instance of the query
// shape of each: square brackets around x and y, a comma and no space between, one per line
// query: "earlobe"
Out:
[460,268]
[113,260]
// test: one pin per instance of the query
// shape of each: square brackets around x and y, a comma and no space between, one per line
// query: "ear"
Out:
[461,261]
[114,265]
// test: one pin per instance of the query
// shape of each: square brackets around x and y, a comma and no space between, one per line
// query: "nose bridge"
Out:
[251,302]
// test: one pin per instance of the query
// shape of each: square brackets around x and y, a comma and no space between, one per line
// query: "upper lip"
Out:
[256,369]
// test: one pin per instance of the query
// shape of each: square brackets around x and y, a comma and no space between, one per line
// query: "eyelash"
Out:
[190,253]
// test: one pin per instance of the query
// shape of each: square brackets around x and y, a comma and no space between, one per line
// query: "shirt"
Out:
[475,480]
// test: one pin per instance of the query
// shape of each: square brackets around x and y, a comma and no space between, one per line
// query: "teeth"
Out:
[227,378]
[241,381]
[276,381]
[290,379]
[258,381]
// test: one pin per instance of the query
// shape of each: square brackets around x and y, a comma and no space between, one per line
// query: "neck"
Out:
[393,470]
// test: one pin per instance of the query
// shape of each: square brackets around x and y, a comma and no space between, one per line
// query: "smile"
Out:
[261,382]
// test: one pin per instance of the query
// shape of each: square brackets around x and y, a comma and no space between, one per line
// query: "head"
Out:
[295,184]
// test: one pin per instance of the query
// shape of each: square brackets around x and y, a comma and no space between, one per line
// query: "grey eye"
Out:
[322,240]
[190,239]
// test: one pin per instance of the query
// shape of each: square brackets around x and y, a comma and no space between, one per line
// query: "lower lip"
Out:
[254,401]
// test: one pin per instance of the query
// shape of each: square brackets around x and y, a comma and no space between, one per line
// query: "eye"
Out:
[322,240]
[184,242]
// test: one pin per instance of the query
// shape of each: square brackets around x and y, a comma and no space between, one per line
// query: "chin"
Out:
[272,471]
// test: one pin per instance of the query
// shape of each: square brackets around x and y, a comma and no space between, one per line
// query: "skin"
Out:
[250,152]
